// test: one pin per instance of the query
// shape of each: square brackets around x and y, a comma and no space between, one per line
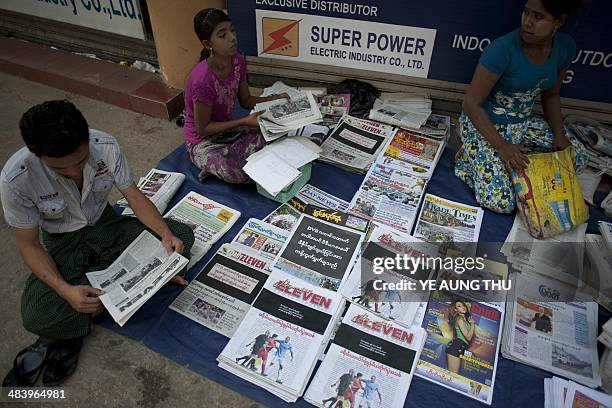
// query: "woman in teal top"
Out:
[498,127]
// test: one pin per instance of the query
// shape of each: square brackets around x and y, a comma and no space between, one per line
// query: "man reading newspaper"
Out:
[60,183]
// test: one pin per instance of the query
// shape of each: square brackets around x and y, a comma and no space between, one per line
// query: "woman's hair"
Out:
[453,315]
[54,129]
[559,7]
[204,24]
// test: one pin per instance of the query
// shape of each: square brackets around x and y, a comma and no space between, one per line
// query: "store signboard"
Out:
[121,17]
[435,39]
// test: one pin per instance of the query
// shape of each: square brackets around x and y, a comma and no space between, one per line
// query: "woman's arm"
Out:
[248,101]
[551,104]
[205,127]
[467,333]
[480,87]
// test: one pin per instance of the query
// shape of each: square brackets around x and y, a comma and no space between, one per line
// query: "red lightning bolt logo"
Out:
[279,37]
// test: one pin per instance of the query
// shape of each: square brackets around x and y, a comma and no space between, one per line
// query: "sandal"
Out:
[62,362]
[28,364]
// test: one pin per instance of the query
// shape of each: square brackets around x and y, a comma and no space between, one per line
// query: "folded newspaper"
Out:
[355,143]
[222,293]
[417,153]
[159,186]
[208,219]
[560,393]
[443,220]
[333,107]
[282,335]
[594,133]
[139,272]
[260,238]
[403,110]
[550,325]
[370,363]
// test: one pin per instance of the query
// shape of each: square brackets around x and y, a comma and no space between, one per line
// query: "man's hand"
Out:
[513,156]
[84,299]
[251,120]
[172,244]
[561,142]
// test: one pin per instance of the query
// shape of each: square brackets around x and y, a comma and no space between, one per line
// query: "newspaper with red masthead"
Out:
[370,363]
[281,337]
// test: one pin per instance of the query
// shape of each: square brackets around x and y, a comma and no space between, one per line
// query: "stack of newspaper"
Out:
[355,143]
[276,166]
[408,111]
[436,126]
[597,138]
[370,363]
[606,359]
[282,115]
[549,324]
[596,278]
[380,289]
[208,219]
[139,272]
[560,393]
[443,220]
[159,186]
[282,335]
[333,107]
[561,256]
[222,293]
[462,345]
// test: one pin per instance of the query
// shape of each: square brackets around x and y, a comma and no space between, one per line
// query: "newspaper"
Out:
[287,215]
[319,252]
[139,272]
[408,112]
[462,345]
[333,107]
[389,195]
[436,126]
[364,287]
[355,143]
[551,326]
[282,115]
[443,220]
[555,390]
[208,219]
[159,186]
[277,344]
[410,150]
[606,204]
[315,196]
[596,134]
[222,293]
[260,238]
[370,363]
[580,396]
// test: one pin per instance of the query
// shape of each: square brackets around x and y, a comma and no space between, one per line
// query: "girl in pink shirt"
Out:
[218,144]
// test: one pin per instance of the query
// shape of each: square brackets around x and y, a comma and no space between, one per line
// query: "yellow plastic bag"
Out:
[548,195]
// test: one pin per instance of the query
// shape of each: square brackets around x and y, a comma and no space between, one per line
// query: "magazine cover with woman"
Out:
[462,345]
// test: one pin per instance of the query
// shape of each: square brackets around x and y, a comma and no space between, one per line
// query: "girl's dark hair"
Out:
[54,129]
[559,7]
[204,24]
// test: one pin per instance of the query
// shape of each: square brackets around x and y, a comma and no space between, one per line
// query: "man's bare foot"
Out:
[202,176]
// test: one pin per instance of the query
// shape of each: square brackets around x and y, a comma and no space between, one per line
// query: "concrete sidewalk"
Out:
[113,371]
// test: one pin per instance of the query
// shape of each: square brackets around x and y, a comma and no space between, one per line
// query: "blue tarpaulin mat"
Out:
[194,346]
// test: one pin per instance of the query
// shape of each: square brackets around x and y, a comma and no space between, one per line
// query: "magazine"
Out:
[383,292]
[278,342]
[370,363]
[260,238]
[389,195]
[139,272]
[158,186]
[550,325]
[208,219]
[222,293]
[462,345]
[355,143]
[443,220]
[410,150]
[319,252]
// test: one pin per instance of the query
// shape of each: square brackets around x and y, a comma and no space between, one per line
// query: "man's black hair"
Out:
[54,129]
